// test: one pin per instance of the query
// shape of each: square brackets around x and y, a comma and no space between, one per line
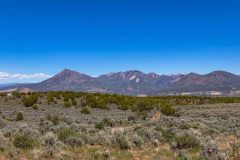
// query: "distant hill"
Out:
[8,85]
[134,82]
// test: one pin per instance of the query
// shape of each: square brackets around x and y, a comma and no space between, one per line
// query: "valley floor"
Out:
[52,131]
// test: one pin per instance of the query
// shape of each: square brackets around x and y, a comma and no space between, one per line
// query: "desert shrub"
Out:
[125,104]
[23,141]
[6,99]
[35,107]
[53,118]
[25,129]
[209,150]
[49,139]
[85,137]
[2,122]
[137,140]
[67,104]
[74,102]
[34,97]
[99,125]
[102,138]
[132,118]
[168,135]
[102,155]
[72,138]
[27,101]
[108,121]
[79,127]
[142,115]
[157,136]
[123,107]
[105,122]
[3,142]
[85,110]
[50,145]
[186,141]
[13,153]
[17,94]
[50,98]
[235,151]
[8,131]
[147,135]
[65,133]
[120,140]
[74,141]
[66,99]
[19,116]
[168,110]
[46,126]
[184,126]
[143,106]
[183,155]
[97,102]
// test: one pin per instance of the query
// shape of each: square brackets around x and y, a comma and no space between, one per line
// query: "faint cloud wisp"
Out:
[19,77]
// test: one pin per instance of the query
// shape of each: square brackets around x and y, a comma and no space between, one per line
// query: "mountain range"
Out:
[134,82]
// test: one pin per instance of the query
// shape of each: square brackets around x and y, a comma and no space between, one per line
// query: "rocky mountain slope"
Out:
[137,83]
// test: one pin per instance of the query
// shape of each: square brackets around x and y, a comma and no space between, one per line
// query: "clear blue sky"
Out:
[95,37]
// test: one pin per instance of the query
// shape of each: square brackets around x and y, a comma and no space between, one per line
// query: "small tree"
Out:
[29,101]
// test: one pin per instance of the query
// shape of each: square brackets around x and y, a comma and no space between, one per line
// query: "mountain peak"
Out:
[218,72]
[134,71]
[192,74]
[68,71]
[68,76]
[136,82]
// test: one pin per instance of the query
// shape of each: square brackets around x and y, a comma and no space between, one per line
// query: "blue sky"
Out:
[96,37]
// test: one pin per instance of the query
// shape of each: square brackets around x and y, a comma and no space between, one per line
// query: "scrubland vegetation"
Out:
[91,126]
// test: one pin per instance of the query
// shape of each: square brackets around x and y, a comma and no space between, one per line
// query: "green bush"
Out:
[85,110]
[65,133]
[67,104]
[99,125]
[143,105]
[50,98]
[66,99]
[23,141]
[108,122]
[35,107]
[53,118]
[120,140]
[34,97]
[97,102]
[19,116]
[168,110]
[17,94]
[105,122]
[187,141]
[27,101]
[125,104]
[74,102]
[168,135]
